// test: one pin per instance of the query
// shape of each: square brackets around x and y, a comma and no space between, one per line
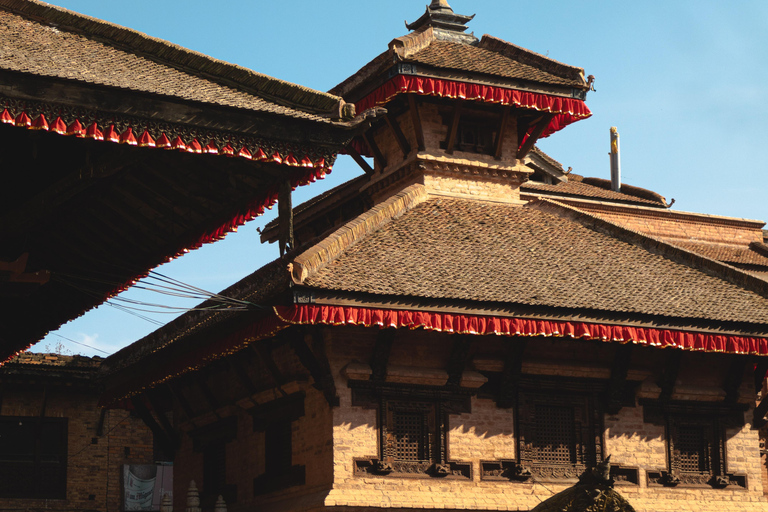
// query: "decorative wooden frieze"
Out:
[625,475]
[450,470]
[140,131]
[504,470]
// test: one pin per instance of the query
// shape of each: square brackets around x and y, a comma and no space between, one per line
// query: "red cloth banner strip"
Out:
[566,110]
[503,326]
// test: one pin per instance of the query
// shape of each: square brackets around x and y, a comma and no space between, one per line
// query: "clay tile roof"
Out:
[463,57]
[56,360]
[469,250]
[44,40]
[738,254]
[595,188]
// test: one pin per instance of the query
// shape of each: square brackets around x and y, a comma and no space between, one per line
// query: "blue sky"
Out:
[684,81]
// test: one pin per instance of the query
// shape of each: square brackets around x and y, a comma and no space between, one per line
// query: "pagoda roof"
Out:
[48,41]
[544,254]
[135,151]
[490,60]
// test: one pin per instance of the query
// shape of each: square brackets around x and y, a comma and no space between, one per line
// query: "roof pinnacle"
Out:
[440,16]
[440,4]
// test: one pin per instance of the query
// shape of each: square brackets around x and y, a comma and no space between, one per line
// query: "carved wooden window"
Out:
[559,434]
[696,450]
[695,435]
[411,438]
[33,457]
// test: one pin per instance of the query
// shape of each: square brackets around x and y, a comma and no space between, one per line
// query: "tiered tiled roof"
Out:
[485,252]
[44,40]
[487,59]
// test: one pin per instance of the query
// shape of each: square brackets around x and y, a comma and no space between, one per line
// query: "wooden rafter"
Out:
[380,357]
[454,127]
[285,217]
[669,375]
[618,381]
[377,154]
[499,144]
[460,356]
[734,378]
[358,158]
[316,363]
[541,125]
[402,141]
[413,106]
[510,377]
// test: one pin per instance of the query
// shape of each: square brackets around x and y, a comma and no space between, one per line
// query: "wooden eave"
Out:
[321,297]
[183,59]
[358,89]
[144,108]
[97,215]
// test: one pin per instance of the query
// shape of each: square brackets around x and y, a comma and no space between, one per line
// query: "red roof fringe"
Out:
[567,110]
[76,128]
[504,326]
[255,209]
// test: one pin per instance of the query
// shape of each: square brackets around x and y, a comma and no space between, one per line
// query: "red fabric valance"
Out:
[566,110]
[439,322]
[503,326]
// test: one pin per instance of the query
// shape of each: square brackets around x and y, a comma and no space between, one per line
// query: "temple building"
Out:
[467,325]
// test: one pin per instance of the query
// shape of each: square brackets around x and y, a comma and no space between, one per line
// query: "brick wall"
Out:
[487,433]
[94,462]
[679,226]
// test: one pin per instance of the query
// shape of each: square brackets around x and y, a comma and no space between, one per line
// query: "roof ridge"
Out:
[273,89]
[317,257]
[407,45]
[630,190]
[531,58]
[655,245]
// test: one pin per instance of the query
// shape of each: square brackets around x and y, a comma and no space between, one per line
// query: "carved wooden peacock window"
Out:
[559,434]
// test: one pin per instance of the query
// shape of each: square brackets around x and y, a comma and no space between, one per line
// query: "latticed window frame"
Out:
[713,452]
[587,441]
[433,438]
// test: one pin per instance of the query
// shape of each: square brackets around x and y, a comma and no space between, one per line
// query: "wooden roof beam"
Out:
[413,105]
[618,381]
[541,125]
[451,141]
[510,377]
[378,156]
[499,144]
[358,158]
[400,137]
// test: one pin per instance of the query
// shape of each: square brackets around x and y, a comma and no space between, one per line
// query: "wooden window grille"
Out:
[33,457]
[696,449]
[412,436]
[559,434]
[555,442]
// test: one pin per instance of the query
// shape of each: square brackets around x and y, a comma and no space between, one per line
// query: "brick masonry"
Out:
[93,469]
